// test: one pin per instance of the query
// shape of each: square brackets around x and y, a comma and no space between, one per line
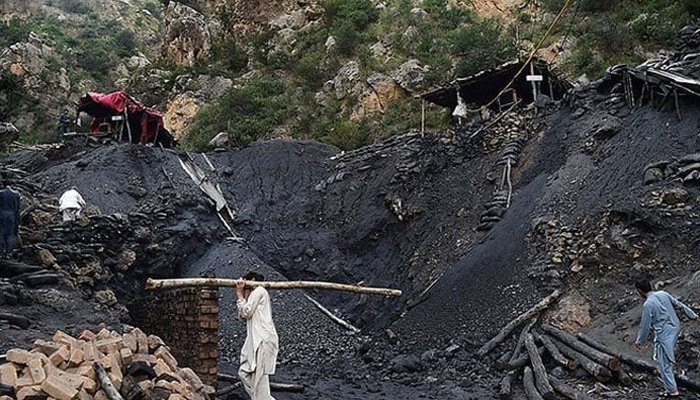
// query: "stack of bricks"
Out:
[62,369]
[188,317]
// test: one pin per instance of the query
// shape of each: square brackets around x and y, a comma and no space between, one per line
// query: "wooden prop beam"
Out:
[218,282]
[610,361]
[529,385]
[506,386]
[569,391]
[106,383]
[506,330]
[599,372]
[554,352]
[637,362]
[541,382]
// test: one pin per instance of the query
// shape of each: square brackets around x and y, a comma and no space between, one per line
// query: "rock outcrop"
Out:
[188,34]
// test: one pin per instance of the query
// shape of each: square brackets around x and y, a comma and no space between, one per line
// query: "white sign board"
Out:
[533,78]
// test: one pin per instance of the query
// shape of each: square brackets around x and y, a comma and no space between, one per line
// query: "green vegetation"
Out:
[294,90]
[247,114]
[613,32]
[12,96]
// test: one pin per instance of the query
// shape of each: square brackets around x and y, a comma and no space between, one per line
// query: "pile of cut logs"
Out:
[566,351]
[99,366]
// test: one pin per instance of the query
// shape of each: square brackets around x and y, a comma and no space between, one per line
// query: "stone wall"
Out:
[188,322]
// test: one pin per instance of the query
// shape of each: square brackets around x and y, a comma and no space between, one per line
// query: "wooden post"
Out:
[216,282]
[422,117]
[126,120]
[610,361]
[521,338]
[534,84]
[554,352]
[568,391]
[599,372]
[106,383]
[636,362]
[541,381]
[506,384]
[506,330]
[529,384]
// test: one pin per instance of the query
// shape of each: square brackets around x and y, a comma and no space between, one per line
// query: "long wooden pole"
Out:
[187,282]
[506,330]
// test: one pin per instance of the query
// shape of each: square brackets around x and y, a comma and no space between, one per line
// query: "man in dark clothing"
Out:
[63,124]
[9,220]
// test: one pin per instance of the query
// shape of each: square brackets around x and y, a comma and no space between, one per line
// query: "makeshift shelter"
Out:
[501,86]
[127,119]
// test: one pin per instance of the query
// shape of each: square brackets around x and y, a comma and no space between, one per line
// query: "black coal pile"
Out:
[474,226]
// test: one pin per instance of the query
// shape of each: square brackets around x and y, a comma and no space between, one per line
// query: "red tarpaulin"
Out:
[143,124]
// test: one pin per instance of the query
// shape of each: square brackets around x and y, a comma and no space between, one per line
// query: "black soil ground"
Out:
[400,214]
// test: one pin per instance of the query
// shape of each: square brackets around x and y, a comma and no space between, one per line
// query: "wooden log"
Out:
[523,360]
[223,392]
[506,384]
[286,387]
[623,377]
[521,338]
[502,362]
[18,320]
[276,386]
[638,362]
[599,372]
[217,282]
[610,361]
[107,385]
[333,317]
[569,391]
[506,330]
[541,381]
[554,352]
[529,385]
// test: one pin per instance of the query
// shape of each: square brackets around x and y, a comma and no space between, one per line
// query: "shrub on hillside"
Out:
[344,134]
[347,20]
[247,114]
[15,30]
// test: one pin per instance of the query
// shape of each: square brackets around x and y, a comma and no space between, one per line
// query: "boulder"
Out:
[410,76]
[188,35]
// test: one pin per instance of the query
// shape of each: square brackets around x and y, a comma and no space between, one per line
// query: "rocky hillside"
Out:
[342,72]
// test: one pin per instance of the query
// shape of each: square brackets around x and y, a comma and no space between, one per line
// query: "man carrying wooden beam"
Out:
[659,316]
[259,352]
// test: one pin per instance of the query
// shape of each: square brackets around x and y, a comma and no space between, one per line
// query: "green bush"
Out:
[125,43]
[75,6]
[247,114]
[344,134]
[310,69]
[233,57]
[15,31]
[481,46]
[12,96]
[347,20]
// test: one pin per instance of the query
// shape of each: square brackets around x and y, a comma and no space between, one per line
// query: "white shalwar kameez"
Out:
[259,352]
[71,204]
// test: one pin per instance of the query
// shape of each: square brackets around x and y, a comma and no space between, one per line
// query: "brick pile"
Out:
[139,366]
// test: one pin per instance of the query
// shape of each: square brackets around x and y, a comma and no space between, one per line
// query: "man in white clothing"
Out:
[259,352]
[71,204]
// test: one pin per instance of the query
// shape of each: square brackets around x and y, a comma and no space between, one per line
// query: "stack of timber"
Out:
[542,348]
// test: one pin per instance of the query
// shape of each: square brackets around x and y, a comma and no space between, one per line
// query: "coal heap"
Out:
[474,225]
